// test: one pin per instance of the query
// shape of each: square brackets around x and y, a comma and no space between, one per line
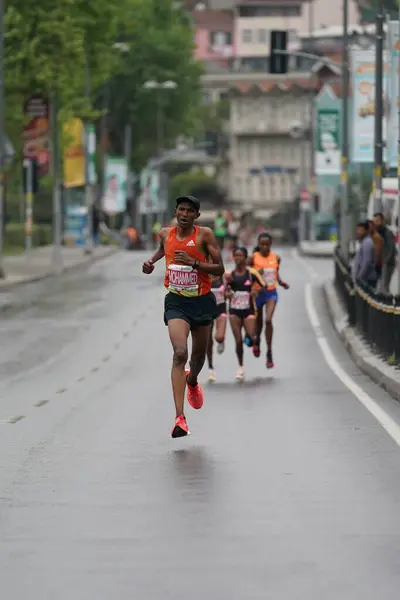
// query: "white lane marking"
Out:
[310,270]
[383,418]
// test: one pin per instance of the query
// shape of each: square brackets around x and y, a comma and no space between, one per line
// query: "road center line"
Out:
[383,418]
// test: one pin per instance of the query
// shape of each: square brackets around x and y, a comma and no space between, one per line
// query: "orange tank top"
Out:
[182,279]
[268,265]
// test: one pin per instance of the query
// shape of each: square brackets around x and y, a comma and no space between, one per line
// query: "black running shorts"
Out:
[198,311]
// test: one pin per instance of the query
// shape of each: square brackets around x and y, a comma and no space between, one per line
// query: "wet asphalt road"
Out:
[287,489]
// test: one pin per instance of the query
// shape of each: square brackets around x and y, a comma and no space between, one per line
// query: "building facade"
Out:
[213,31]
[268,159]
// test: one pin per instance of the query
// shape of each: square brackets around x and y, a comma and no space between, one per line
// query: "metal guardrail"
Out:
[376,317]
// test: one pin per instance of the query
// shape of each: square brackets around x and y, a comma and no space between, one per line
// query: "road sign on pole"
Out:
[29,170]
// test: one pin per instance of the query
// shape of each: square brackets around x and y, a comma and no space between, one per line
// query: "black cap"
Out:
[190,199]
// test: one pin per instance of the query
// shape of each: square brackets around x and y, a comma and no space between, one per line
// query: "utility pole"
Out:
[378,158]
[312,179]
[55,149]
[160,144]
[88,185]
[398,161]
[2,140]
[344,205]
[128,156]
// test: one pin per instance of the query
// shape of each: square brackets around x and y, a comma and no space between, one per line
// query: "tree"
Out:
[198,184]
[160,43]
[49,46]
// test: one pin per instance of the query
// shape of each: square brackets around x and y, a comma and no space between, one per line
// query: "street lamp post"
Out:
[2,140]
[88,185]
[159,86]
[378,158]
[344,205]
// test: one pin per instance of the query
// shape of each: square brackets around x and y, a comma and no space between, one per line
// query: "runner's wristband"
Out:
[196,264]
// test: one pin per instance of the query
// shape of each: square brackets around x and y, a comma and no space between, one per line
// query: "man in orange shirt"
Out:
[191,256]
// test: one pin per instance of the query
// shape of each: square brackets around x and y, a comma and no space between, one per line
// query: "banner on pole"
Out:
[74,154]
[91,146]
[36,135]
[114,200]
[394,54]
[328,155]
[363,85]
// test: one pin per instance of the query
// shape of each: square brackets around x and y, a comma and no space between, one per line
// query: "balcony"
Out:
[270,127]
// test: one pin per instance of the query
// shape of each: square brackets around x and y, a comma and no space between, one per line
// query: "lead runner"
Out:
[191,256]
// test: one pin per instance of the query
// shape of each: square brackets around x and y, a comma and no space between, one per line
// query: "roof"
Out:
[265,87]
[210,19]
[337,31]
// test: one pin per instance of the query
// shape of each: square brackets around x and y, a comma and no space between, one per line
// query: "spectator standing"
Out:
[363,268]
[378,245]
[220,230]
[388,253]
[233,231]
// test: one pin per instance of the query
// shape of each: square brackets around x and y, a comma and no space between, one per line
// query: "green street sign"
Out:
[327,142]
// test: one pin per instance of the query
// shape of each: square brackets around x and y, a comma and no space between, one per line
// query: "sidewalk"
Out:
[38,265]
[317,249]
[377,369]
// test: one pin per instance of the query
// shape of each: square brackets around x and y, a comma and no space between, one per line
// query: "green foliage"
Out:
[49,45]
[211,117]
[15,235]
[161,49]
[195,183]
[63,46]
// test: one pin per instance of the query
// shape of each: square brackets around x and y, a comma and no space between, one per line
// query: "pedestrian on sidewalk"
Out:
[363,268]
[388,253]
[378,246]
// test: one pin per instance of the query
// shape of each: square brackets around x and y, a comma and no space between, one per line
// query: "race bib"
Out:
[219,295]
[269,276]
[183,280]
[240,301]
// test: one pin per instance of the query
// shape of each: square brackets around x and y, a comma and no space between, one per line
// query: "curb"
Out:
[369,363]
[86,262]
[316,254]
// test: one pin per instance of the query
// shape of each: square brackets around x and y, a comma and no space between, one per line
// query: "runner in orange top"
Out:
[267,263]
[191,256]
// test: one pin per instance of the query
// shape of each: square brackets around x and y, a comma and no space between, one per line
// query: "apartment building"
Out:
[213,31]
[267,163]
[254,21]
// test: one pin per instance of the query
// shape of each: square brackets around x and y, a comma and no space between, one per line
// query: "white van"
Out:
[390,203]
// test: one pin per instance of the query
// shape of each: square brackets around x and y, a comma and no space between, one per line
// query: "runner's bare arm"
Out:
[281,283]
[148,266]
[257,276]
[215,267]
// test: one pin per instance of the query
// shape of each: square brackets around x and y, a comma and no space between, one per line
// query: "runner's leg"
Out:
[269,311]
[220,329]
[178,330]
[236,326]
[250,327]
[210,349]
[200,339]
[259,325]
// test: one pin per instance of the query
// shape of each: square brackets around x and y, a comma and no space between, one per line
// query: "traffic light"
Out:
[33,180]
[278,63]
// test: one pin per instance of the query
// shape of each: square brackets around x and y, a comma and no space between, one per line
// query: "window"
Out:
[206,97]
[220,38]
[278,10]
[247,36]
[262,36]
